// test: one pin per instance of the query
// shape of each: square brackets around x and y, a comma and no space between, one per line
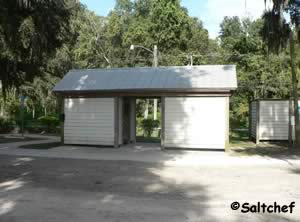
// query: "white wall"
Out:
[89,121]
[274,120]
[196,122]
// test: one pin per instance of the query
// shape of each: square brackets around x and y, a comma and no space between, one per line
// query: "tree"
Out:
[278,33]
[30,32]
[231,31]
[41,40]
[91,49]
[259,75]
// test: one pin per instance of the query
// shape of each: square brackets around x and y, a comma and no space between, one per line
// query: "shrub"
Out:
[51,122]
[149,125]
[5,125]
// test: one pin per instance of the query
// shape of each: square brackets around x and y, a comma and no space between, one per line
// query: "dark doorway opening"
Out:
[126,120]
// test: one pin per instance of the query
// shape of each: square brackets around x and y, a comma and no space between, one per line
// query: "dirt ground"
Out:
[60,189]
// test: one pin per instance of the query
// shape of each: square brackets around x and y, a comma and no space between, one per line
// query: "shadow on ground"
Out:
[41,146]
[114,178]
[16,138]
[115,181]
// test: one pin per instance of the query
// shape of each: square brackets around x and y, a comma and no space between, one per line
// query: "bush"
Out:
[149,125]
[5,125]
[50,121]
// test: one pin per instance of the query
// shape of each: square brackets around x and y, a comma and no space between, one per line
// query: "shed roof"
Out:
[206,78]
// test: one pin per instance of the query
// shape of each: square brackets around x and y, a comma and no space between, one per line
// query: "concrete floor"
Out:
[126,185]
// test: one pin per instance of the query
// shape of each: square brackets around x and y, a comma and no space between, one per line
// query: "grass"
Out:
[41,146]
[16,138]
[143,139]
[240,144]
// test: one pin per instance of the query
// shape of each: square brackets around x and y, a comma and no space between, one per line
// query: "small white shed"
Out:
[271,120]
[99,105]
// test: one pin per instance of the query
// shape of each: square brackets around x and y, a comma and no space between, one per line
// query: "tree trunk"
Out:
[33,113]
[147,109]
[2,109]
[295,89]
[155,109]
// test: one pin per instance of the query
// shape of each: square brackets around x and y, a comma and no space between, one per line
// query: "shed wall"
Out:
[274,120]
[89,121]
[196,122]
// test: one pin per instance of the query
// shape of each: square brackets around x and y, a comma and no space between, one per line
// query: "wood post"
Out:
[132,120]
[162,114]
[116,114]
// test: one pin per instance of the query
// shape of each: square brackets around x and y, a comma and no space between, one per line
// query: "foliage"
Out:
[41,40]
[50,121]
[279,33]
[30,32]
[5,125]
[149,125]
[260,75]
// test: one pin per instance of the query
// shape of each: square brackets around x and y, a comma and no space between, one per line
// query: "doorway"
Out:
[148,120]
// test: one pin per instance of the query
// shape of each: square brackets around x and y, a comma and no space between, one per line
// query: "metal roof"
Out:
[177,78]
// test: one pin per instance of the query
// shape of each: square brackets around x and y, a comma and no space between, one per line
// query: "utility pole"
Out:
[192,60]
[155,56]
[154,64]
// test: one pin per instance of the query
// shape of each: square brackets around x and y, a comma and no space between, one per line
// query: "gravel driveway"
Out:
[60,189]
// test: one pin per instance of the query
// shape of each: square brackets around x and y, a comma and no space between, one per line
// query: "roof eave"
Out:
[145,91]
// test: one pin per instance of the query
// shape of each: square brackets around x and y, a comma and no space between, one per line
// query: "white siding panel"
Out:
[89,121]
[195,122]
[274,120]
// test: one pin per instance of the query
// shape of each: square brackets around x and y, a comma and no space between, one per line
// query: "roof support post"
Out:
[116,122]
[132,120]
[163,113]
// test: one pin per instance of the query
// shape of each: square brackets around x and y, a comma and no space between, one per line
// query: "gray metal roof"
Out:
[180,78]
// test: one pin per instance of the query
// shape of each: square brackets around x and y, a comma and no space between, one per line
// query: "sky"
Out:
[210,12]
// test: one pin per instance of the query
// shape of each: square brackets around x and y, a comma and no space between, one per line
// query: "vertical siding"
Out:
[89,121]
[195,122]
[274,120]
[253,110]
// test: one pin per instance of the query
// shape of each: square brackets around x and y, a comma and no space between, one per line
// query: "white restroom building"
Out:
[99,105]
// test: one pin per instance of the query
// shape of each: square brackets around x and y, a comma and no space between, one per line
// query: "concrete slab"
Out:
[144,152]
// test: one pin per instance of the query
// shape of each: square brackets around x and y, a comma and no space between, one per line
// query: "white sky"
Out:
[211,12]
[216,10]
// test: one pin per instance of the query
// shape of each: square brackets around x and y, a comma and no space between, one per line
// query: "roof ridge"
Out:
[149,67]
